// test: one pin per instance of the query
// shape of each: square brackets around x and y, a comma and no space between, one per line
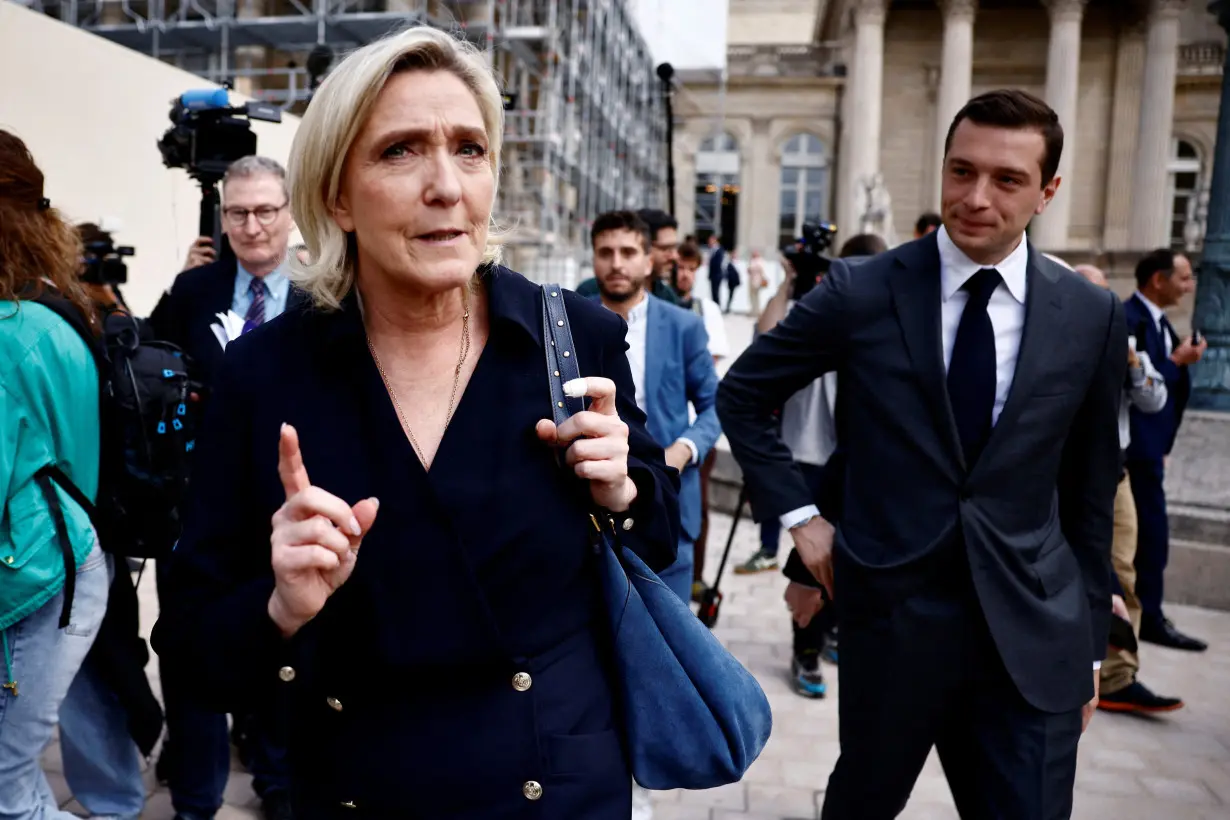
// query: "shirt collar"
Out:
[639,313]
[276,280]
[1156,312]
[956,268]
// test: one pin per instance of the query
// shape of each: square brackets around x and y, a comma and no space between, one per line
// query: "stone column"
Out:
[1211,376]
[865,94]
[956,74]
[113,14]
[1124,128]
[763,184]
[1150,227]
[248,58]
[1062,87]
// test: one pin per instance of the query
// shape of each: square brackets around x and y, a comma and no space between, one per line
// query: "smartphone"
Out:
[1197,337]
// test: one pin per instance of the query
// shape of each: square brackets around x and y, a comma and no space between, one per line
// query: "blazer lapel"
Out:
[915,284]
[1043,309]
[221,290]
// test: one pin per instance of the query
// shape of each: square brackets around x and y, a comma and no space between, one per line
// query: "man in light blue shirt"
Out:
[253,284]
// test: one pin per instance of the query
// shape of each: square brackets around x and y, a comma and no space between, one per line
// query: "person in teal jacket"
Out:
[49,416]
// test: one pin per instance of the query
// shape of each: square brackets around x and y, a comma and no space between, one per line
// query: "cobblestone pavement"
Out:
[1173,768]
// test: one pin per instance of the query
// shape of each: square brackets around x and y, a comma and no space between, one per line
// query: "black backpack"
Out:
[149,422]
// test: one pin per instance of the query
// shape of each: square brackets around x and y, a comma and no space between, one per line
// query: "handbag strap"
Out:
[562,367]
[561,354]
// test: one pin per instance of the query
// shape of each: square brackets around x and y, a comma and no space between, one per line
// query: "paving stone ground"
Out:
[1171,768]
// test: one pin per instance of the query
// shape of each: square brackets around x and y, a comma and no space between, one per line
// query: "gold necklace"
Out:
[388,385]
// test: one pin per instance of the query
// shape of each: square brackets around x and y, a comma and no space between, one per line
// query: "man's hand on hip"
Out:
[814,543]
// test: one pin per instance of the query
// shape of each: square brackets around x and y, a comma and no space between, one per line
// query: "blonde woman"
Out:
[382,535]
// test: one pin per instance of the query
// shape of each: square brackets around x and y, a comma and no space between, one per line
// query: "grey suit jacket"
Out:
[1034,514]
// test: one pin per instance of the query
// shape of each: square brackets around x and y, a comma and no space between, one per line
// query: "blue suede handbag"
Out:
[694,717]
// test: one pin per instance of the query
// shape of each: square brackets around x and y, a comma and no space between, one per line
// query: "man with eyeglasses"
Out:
[252,285]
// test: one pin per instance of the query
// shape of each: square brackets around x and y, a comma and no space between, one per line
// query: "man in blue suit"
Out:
[1162,279]
[671,368]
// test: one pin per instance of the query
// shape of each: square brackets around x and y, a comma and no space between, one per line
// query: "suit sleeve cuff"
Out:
[691,445]
[793,518]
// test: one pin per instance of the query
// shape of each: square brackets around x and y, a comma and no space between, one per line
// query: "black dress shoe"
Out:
[1163,633]
[276,806]
[1136,697]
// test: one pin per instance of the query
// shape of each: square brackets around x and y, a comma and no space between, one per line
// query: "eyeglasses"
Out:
[265,214]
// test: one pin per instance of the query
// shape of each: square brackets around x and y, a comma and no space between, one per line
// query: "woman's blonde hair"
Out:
[334,118]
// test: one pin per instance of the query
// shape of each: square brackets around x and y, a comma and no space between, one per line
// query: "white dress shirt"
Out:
[638,330]
[1158,314]
[1006,308]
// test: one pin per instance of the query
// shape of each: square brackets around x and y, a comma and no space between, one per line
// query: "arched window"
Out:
[805,186]
[717,189]
[1186,183]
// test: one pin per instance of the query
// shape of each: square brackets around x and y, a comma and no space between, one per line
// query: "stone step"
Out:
[1199,523]
[1198,573]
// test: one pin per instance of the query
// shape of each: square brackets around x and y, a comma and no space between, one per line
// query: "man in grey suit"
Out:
[970,562]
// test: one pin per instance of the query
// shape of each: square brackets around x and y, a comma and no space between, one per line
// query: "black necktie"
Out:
[971,371]
[1169,336]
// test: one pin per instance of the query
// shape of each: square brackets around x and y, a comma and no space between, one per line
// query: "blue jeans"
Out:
[101,762]
[678,576]
[45,659]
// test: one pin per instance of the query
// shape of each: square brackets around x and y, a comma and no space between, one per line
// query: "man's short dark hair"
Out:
[688,251]
[620,221]
[927,221]
[657,220]
[1158,261]
[864,244]
[1013,108]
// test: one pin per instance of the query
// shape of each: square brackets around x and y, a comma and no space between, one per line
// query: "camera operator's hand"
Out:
[201,253]
[1188,353]
[814,543]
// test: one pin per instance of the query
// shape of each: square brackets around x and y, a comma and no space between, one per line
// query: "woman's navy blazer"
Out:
[462,671]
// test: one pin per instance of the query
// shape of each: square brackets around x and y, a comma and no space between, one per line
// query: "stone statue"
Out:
[877,214]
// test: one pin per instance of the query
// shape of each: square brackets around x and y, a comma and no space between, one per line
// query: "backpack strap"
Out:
[43,479]
[66,310]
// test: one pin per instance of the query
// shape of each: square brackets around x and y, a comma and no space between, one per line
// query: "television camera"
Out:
[104,262]
[207,135]
[807,257]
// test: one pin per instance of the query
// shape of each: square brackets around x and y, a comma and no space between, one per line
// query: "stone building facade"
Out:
[837,109]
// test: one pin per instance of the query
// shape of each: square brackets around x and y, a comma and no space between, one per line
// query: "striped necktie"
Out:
[256,311]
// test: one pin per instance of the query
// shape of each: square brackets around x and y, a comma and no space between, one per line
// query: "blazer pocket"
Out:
[597,753]
[1055,570]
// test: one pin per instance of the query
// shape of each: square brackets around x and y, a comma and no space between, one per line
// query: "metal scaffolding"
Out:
[585,128]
